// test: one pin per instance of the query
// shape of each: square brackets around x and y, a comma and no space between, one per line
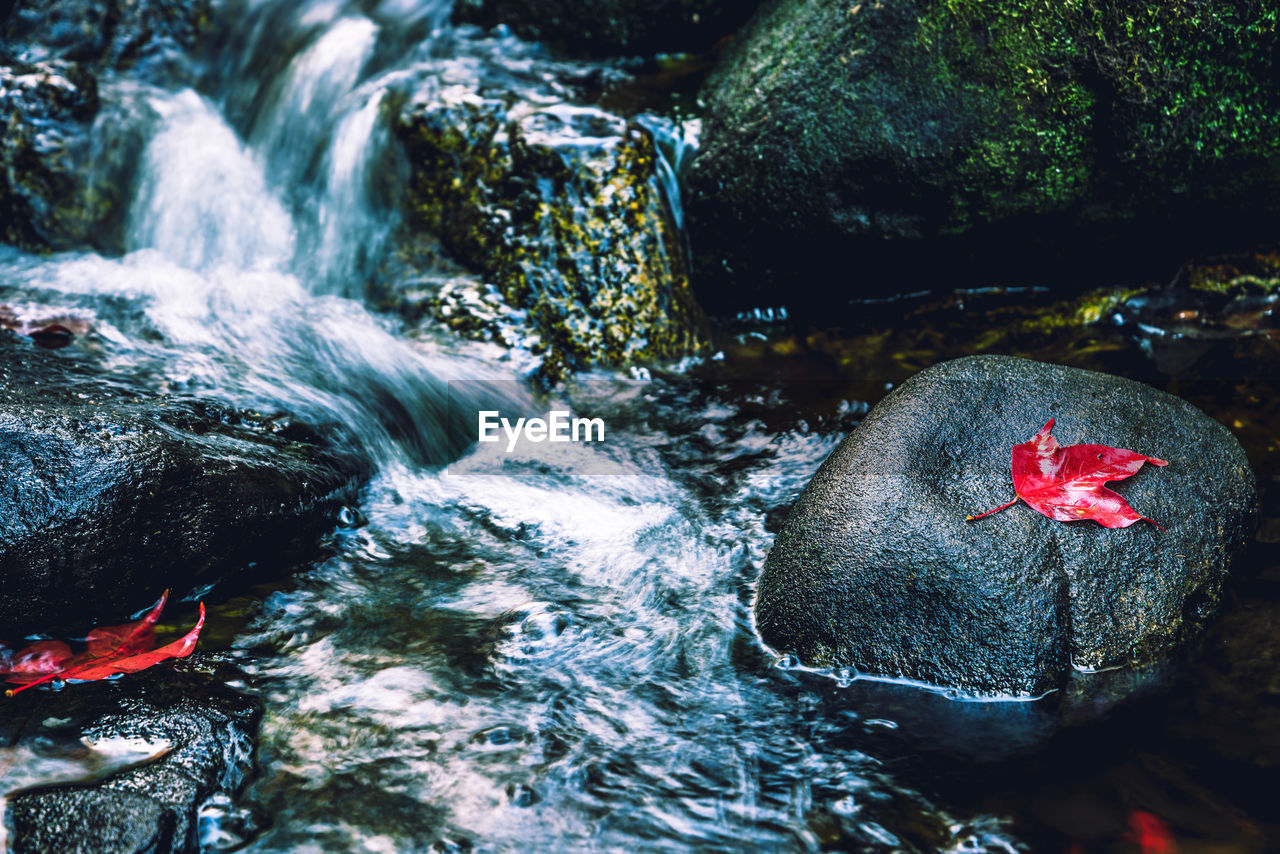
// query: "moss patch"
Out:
[1022,125]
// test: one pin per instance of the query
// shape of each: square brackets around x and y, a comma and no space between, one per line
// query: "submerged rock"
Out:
[877,570]
[612,27]
[111,494]
[560,207]
[1019,139]
[208,731]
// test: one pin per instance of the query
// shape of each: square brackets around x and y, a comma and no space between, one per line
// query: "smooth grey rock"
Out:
[877,569]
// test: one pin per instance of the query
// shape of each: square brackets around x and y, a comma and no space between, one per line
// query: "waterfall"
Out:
[203,201]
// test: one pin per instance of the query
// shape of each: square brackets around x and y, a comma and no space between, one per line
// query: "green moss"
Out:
[1238,286]
[1068,130]
[1240,275]
[1012,63]
[1174,87]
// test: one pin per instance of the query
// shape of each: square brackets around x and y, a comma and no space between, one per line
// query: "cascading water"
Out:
[554,661]
[203,202]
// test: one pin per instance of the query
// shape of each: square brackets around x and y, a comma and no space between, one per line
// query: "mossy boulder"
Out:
[561,208]
[1018,138]
[877,570]
[612,27]
[45,111]
[114,34]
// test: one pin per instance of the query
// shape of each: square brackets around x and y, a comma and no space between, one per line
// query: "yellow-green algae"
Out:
[560,208]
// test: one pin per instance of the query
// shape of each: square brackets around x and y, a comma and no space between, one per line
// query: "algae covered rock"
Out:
[561,208]
[114,34]
[1019,137]
[876,568]
[612,27]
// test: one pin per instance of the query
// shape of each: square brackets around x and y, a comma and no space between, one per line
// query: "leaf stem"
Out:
[989,512]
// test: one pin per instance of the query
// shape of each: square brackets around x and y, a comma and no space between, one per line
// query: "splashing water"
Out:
[203,202]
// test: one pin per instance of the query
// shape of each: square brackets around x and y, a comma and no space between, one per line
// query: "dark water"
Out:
[565,660]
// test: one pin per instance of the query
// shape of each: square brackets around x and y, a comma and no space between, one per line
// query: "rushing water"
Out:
[558,660]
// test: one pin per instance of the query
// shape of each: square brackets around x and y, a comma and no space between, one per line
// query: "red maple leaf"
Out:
[1150,833]
[109,650]
[1066,484]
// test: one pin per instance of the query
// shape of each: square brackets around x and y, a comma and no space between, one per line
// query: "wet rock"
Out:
[611,27]
[112,493]
[561,208]
[467,306]
[115,34]
[45,110]
[153,807]
[51,57]
[1015,140]
[1241,307]
[876,568]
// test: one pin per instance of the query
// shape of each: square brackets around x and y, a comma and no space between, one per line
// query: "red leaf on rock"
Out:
[1066,484]
[106,641]
[109,650]
[39,658]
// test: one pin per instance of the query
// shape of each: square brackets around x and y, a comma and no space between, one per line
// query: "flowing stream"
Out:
[560,660]
[553,661]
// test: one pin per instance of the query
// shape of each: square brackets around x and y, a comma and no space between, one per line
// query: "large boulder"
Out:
[877,570]
[1018,139]
[612,27]
[112,493]
[562,209]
